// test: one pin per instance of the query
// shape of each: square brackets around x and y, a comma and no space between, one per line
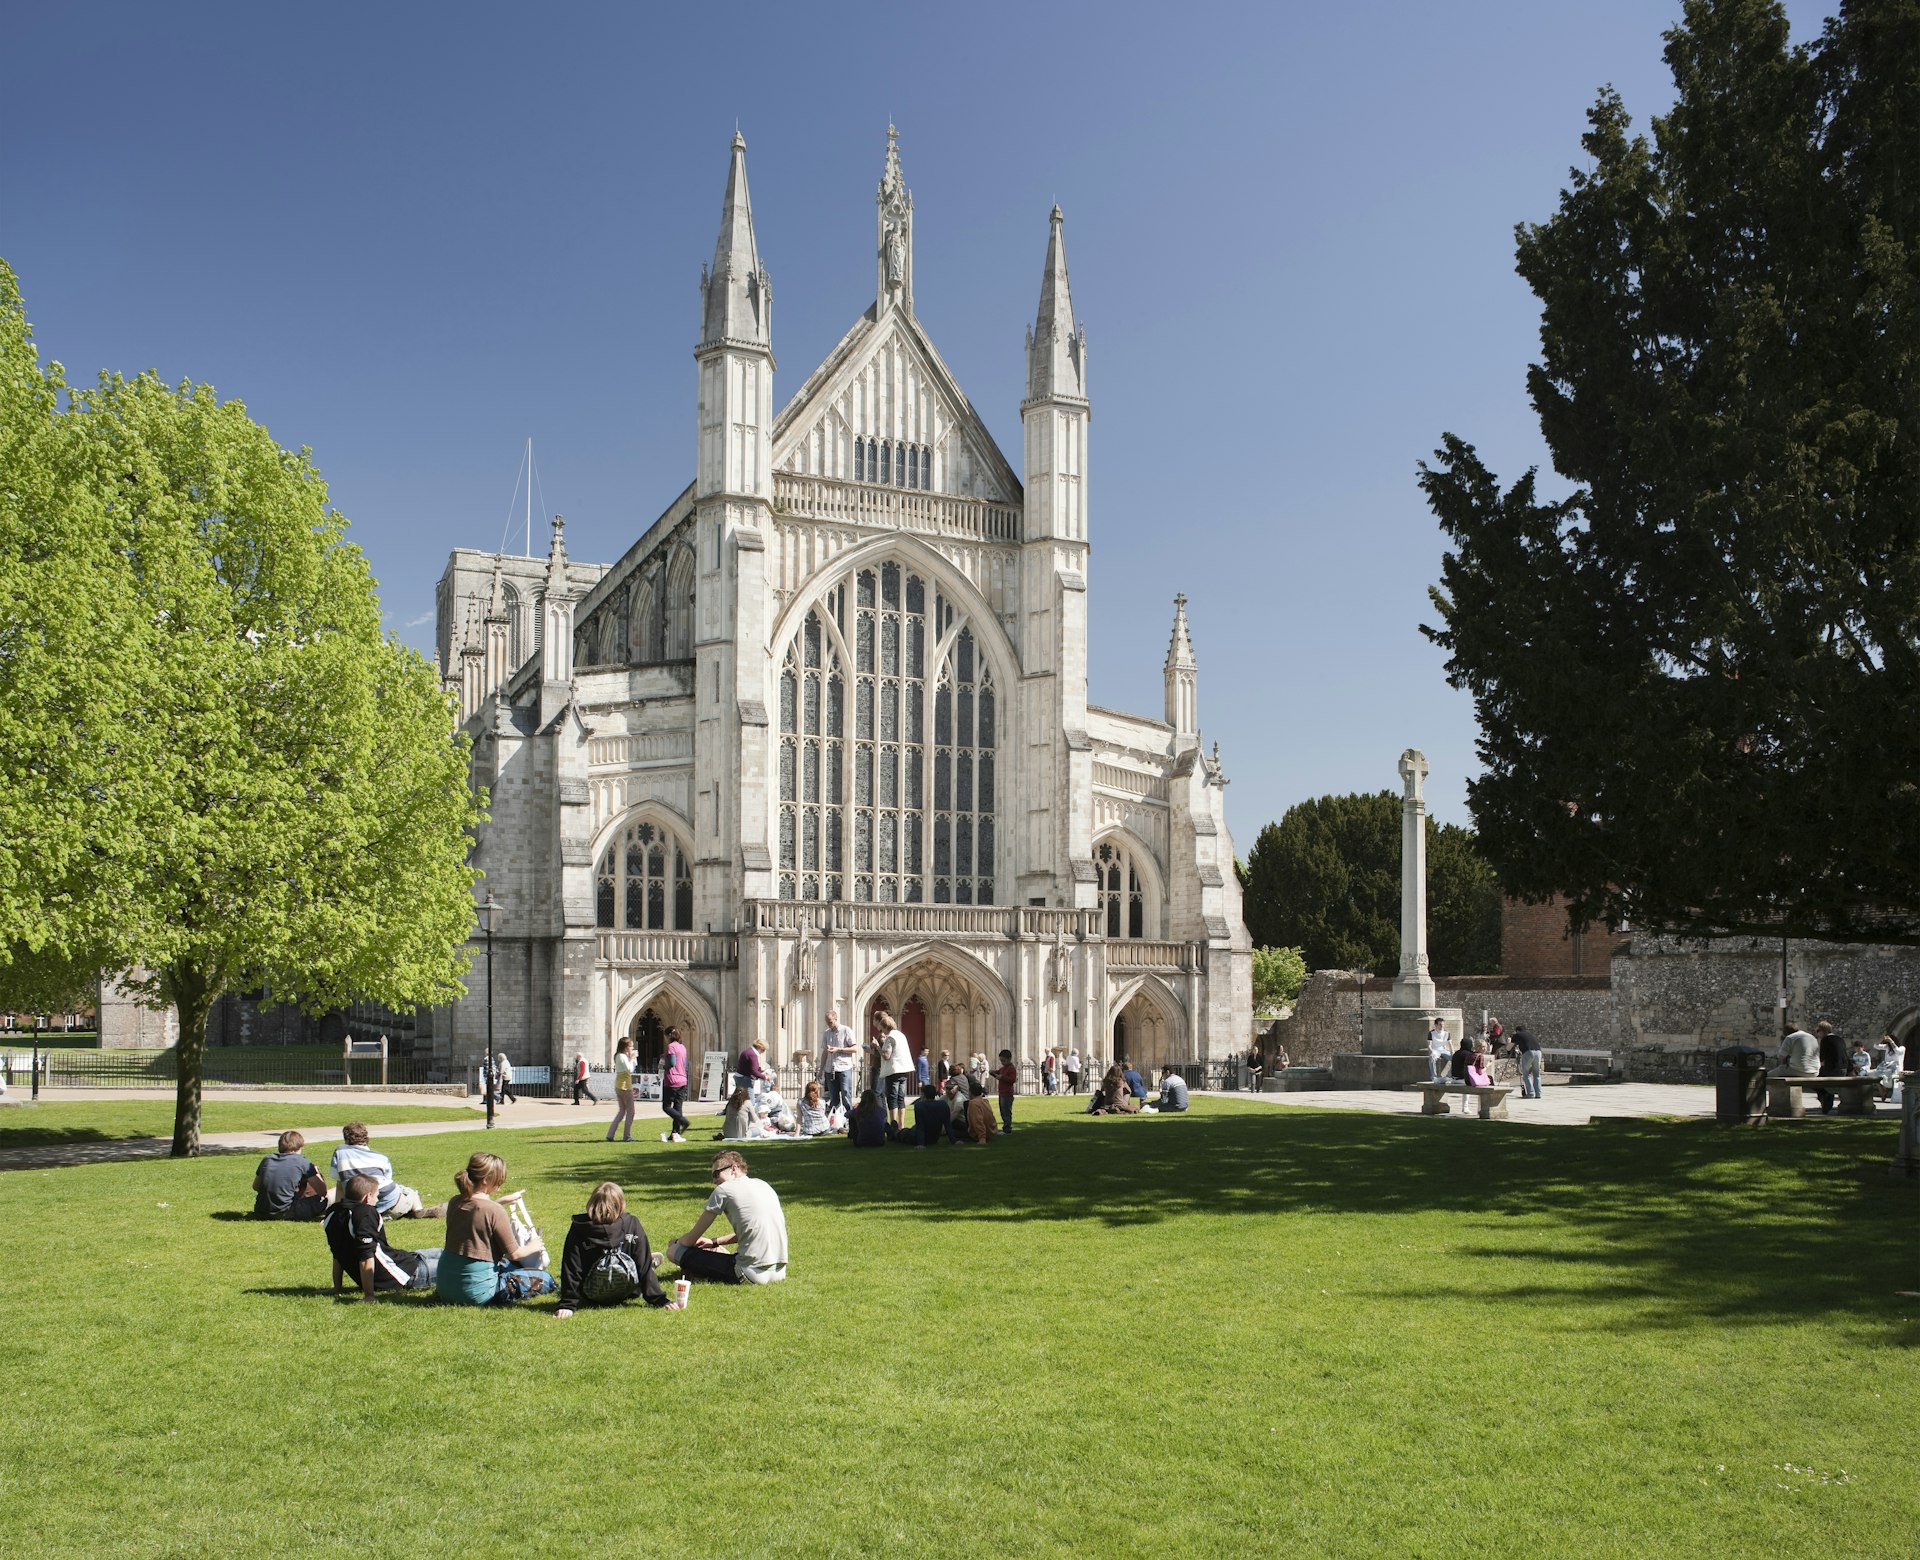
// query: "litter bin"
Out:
[1740,1084]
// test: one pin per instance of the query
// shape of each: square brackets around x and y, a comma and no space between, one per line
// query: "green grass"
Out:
[103,1121]
[1247,1331]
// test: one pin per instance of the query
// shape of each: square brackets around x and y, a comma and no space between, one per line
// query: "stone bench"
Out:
[1785,1096]
[1493,1098]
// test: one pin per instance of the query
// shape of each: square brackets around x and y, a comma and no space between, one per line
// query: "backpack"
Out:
[615,1277]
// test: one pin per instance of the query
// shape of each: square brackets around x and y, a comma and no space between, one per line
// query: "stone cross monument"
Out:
[1393,1037]
[1414,988]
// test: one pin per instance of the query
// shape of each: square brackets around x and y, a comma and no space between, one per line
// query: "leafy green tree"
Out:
[1278,975]
[1697,677]
[1326,879]
[281,801]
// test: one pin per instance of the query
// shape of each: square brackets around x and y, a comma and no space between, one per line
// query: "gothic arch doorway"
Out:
[940,1010]
[1145,1031]
[648,1031]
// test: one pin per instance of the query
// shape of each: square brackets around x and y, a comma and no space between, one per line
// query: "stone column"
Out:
[1414,988]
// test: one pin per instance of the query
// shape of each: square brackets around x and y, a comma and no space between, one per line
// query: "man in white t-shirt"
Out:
[1073,1069]
[1439,1052]
[840,1049]
[759,1235]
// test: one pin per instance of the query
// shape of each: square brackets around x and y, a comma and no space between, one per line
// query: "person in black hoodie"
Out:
[589,1273]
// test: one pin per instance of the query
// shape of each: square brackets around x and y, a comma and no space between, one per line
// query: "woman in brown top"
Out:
[485,1260]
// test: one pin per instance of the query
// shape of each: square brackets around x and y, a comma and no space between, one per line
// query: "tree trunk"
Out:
[193,995]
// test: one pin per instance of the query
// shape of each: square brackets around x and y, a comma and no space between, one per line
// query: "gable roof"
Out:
[842,369]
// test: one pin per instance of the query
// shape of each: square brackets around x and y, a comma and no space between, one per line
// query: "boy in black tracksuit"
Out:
[357,1236]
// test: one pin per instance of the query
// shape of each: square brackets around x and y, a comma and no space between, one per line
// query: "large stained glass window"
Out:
[888,742]
[645,882]
[1122,893]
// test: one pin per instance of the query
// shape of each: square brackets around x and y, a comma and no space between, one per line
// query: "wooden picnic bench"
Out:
[1786,1096]
[1492,1098]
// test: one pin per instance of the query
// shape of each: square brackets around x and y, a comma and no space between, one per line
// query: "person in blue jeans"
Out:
[485,1259]
[1531,1058]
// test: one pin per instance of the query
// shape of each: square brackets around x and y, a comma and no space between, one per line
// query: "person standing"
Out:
[841,1048]
[1008,1077]
[922,1072]
[1073,1069]
[896,1065]
[1531,1058]
[1048,1078]
[673,1088]
[622,1091]
[503,1078]
[581,1085]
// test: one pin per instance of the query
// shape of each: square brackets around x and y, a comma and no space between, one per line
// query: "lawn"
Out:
[1247,1331]
[90,1121]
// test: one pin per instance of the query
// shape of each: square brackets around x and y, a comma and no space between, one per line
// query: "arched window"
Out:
[645,881]
[511,598]
[641,637]
[1122,891]
[677,610]
[888,742]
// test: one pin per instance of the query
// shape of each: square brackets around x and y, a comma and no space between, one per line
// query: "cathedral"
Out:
[820,738]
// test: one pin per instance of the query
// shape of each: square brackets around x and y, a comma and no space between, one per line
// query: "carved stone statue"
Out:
[896,253]
[1058,978]
[803,965]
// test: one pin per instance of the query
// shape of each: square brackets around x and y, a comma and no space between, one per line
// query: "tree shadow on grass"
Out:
[1678,1223]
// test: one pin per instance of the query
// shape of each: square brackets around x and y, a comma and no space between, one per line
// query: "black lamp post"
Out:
[488,911]
[35,1092]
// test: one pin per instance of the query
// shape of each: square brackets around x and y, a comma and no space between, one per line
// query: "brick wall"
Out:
[1534,941]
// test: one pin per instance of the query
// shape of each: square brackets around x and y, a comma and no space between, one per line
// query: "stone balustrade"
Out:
[900,509]
[669,950]
[917,920]
[1136,955]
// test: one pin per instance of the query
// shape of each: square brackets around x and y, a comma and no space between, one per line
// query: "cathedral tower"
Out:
[1054,418]
[733,490]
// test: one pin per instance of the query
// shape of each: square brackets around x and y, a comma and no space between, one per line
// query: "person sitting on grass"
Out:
[813,1112]
[978,1127]
[1112,1098]
[288,1185]
[357,1236]
[931,1116]
[867,1127]
[486,1260]
[1136,1085]
[759,1235]
[1173,1092]
[741,1123]
[607,1258]
[394,1201]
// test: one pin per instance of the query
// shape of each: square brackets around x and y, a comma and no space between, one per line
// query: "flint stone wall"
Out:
[1562,1010]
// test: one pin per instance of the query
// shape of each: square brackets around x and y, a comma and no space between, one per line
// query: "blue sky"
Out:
[411,237]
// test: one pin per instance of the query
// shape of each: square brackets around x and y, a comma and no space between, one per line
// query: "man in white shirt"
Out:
[1073,1070]
[1798,1056]
[392,1200]
[1439,1052]
[759,1235]
[840,1049]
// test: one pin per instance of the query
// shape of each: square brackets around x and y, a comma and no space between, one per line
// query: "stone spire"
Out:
[893,227]
[473,661]
[1056,350]
[1182,681]
[556,626]
[498,633]
[736,297]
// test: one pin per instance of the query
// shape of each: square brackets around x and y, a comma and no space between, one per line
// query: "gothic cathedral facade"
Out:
[820,739]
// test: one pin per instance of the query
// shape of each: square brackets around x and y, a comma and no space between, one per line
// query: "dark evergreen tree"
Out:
[1697,677]
[1326,879]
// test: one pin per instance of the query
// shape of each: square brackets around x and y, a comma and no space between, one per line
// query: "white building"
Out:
[821,736]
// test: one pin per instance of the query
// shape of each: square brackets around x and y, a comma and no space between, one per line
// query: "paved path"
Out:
[1560,1104]
[527,1113]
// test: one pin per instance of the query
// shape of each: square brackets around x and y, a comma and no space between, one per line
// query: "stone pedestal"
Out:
[1393,1047]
